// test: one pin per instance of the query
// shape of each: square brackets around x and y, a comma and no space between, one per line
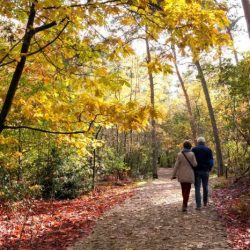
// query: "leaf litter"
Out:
[233,206]
[39,224]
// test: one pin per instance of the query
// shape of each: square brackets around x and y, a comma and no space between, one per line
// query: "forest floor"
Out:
[33,224]
[152,219]
[144,216]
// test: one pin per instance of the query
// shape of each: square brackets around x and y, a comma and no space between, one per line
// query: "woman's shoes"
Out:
[184,209]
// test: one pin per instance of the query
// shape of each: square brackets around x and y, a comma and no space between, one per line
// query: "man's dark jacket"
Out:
[204,157]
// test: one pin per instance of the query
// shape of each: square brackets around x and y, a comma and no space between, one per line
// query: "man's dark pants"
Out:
[201,177]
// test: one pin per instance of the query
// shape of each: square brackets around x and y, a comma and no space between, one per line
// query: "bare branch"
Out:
[7,54]
[51,132]
[83,5]
[7,63]
[246,138]
[47,58]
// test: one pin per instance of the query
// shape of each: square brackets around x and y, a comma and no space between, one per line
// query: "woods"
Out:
[107,90]
[66,79]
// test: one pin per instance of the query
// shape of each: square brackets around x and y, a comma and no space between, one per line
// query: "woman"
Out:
[183,170]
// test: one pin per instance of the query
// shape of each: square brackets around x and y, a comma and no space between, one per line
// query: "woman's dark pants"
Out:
[185,187]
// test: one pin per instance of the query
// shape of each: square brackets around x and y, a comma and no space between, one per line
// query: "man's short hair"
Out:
[201,140]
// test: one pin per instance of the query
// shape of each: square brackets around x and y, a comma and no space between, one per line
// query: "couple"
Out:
[193,166]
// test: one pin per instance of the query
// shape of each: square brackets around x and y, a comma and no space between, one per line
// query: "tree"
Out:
[212,119]
[153,122]
[57,79]
[189,108]
[29,33]
[200,36]
[246,8]
[51,38]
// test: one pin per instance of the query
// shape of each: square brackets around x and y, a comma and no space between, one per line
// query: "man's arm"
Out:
[210,160]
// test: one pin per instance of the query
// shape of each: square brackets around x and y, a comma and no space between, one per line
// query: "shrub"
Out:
[138,159]
[241,206]
[166,160]
[11,189]
[221,182]
[113,163]
[63,175]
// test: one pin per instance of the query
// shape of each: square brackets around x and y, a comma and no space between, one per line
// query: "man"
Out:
[204,158]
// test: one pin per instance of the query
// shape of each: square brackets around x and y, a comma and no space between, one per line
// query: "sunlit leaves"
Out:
[69,82]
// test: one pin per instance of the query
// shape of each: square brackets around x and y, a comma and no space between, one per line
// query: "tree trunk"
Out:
[94,161]
[246,7]
[19,169]
[153,122]
[212,118]
[190,113]
[117,139]
[234,50]
[94,169]
[19,68]
[131,140]
[228,29]
[125,142]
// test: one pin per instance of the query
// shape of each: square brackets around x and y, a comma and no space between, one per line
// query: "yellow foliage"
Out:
[72,82]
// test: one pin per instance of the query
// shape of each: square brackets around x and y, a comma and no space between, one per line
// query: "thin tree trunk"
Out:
[234,50]
[246,8]
[137,86]
[190,113]
[117,139]
[19,68]
[131,81]
[153,122]
[94,161]
[94,169]
[131,140]
[213,120]
[19,170]
[228,29]
[125,142]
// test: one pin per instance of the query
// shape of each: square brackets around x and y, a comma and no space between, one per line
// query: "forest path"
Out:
[152,219]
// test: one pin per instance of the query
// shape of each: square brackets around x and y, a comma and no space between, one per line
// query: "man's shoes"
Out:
[205,204]
[198,208]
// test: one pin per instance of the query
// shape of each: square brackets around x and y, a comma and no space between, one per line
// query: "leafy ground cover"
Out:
[39,224]
[233,205]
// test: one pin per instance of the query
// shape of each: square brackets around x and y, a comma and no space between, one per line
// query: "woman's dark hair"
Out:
[187,145]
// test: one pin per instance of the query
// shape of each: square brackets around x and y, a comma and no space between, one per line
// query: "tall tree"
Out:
[153,122]
[212,119]
[246,7]
[187,99]
[200,36]
[50,37]
[29,33]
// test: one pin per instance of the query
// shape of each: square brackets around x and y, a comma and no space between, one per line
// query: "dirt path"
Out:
[152,219]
